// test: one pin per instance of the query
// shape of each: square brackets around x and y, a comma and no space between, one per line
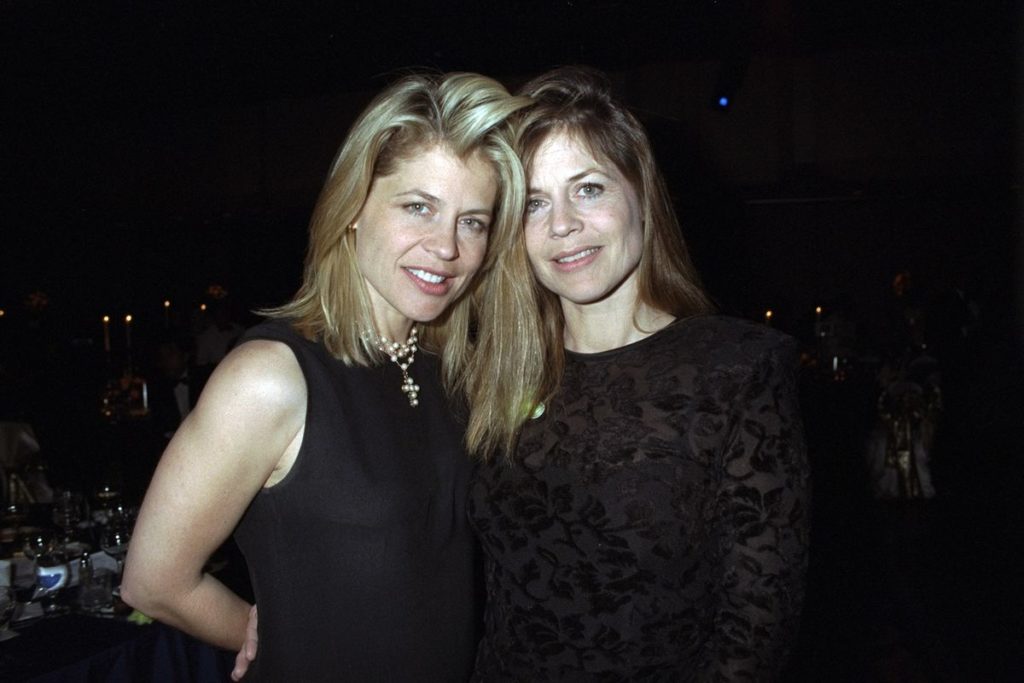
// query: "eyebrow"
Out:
[421,194]
[437,200]
[572,179]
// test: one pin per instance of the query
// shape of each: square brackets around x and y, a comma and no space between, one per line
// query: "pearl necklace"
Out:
[403,355]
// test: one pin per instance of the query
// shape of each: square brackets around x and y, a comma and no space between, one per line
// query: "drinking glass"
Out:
[107,496]
[14,515]
[68,512]
[114,542]
[51,577]
[96,591]
[105,500]
[37,543]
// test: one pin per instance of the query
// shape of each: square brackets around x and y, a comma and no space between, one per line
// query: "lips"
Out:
[429,282]
[570,260]
[576,255]
[427,276]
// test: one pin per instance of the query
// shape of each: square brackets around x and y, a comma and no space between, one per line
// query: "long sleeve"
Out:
[763,517]
[654,523]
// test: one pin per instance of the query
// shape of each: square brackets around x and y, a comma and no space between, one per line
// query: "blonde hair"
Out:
[521,336]
[466,114]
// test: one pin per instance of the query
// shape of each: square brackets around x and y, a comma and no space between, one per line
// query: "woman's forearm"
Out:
[207,610]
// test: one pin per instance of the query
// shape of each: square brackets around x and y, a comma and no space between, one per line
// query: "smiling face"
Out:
[584,227]
[422,235]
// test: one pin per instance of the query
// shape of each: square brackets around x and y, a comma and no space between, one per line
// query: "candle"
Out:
[768,317]
[817,314]
[167,313]
[128,330]
[106,333]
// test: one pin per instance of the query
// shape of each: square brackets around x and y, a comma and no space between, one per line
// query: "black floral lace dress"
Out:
[654,523]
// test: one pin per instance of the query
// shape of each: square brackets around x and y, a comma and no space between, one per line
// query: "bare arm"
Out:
[243,434]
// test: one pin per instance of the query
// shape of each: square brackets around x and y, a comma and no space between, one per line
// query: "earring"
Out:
[351,227]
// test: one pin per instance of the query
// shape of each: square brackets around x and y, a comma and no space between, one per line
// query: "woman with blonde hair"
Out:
[641,500]
[333,453]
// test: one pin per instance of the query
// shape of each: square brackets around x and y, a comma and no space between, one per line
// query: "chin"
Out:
[427,314]
[582,298]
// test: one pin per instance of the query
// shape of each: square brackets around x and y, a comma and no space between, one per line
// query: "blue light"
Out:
[723,101]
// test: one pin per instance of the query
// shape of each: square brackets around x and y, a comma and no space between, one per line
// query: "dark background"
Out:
[150,150]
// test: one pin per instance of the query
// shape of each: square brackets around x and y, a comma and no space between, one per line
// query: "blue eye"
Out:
[533,205]
[475,224]
[591,190]
[418,208]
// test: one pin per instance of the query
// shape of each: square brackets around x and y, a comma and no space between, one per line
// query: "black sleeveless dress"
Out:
[361,559]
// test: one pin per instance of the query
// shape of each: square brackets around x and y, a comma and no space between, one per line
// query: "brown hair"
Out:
[576,101]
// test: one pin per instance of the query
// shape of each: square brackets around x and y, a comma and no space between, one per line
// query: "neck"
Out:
[395,331]
[405,342]
[591,329]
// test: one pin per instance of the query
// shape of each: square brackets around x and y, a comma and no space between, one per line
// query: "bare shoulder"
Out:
[260,371]
[249,418]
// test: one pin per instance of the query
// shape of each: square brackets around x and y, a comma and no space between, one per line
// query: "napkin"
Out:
[24,611]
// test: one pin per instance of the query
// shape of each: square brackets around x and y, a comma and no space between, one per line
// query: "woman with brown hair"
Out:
[641,500]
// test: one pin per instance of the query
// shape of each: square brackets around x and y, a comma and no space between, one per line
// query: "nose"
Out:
[564,220]
[443,244]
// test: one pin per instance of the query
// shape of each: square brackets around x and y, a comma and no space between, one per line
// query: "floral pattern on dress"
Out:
[653,524]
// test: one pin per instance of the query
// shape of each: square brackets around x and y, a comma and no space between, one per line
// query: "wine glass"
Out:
[14,515]
[107,495]
[114,541]
[36,544]
[52,571]
[68,512]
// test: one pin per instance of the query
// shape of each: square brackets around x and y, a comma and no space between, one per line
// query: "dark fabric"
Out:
[654,523]
[362,559]
[78,649]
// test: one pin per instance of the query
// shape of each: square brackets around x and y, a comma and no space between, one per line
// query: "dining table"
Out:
[83,643]
[75,647]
